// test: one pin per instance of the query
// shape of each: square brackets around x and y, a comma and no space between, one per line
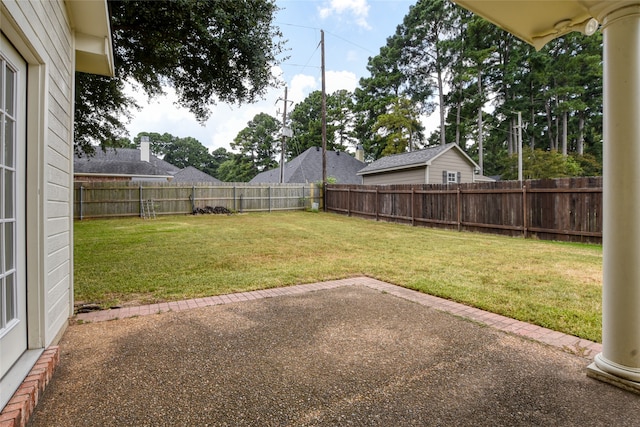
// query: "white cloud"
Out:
[163,115]
[357,9]
[337,80]
[301,86]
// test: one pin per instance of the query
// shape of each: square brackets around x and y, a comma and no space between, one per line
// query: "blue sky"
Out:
[354,31]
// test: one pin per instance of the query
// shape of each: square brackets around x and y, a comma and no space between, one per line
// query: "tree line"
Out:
[476,76]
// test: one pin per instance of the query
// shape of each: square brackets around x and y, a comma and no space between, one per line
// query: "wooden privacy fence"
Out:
[568,209]
[121,199]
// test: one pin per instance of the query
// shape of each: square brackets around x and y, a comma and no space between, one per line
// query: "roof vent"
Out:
[317,148]
[337,153]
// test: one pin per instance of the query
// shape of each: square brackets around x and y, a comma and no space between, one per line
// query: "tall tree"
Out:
[425,54]
[400,127]
[377,93]
[306,123]
[259,141]
[218,156]
[100,106]
[183,152]
[239,168]
[209,51]
[341,116]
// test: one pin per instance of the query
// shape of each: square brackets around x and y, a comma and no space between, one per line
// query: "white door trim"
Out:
[13,329]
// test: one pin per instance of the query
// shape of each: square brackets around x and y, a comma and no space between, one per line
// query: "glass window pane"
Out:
[9,295]
[2,194]
[8,246]
[9,134]
[2,251]
[2,135]
[2,304]
[10,78]
[1,85]
[9,194]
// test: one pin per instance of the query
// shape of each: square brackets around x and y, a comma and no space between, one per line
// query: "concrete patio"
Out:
[349,352]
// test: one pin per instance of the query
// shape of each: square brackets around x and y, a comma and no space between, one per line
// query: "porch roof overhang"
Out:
[90,21]
[537,22]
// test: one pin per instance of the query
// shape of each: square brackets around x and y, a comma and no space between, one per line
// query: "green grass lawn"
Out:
[132,261]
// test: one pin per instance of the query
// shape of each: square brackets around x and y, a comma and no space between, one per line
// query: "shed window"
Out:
[449,177]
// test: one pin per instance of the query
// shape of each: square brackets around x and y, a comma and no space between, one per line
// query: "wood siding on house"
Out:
[450,161]
[58,250]
[404,176]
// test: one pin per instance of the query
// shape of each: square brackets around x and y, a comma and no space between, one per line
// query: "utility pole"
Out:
[286,133]
[324,124]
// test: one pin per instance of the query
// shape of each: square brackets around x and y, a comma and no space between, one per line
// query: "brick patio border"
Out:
[21,405]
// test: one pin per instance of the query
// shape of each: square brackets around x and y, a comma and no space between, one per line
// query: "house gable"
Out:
[450,161]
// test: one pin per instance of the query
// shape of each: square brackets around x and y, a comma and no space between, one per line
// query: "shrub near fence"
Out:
[568,209]
[121,199]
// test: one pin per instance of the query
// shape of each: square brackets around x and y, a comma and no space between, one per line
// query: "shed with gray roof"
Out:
[442,164]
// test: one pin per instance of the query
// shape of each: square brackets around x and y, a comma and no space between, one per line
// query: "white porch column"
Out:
[619,361]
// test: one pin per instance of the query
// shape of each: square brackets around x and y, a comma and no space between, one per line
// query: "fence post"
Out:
[193,198]
[458,198]
[377,203]
[81,194]
[413,217]
[524,211]
[141,203]
[348,202]
[269,197]
[235,207]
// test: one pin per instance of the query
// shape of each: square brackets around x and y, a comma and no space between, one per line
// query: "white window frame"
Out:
[454,175]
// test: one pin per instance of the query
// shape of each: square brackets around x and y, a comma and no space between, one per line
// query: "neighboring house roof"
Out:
[191,174]
[307,167]
[122,162]
[413,159]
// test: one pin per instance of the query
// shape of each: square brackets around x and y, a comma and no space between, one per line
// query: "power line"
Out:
[329,33]
[350,42]
[299,65]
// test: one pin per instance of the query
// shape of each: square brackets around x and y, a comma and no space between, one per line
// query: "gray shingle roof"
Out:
[307,168]
[122,161]
[406,160]
[191,174]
